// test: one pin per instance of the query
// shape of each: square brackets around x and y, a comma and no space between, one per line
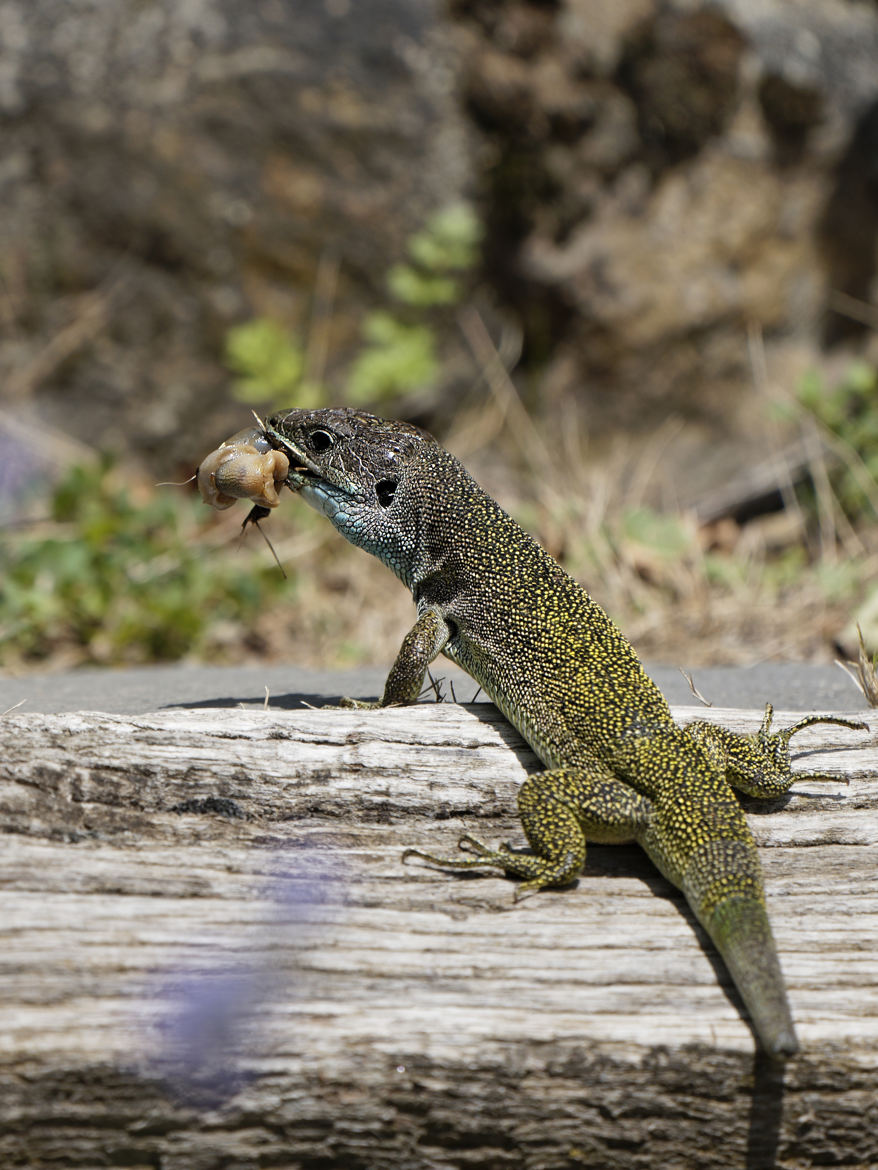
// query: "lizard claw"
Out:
[469,844]
[526,889]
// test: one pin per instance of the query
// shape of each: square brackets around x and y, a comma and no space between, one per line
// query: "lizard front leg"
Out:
[560,810]
[759,764]
[421,645]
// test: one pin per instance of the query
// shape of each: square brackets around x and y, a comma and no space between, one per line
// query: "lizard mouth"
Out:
[302,468]
[300,473]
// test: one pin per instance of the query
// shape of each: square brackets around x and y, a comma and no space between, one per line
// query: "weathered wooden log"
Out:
[214,957]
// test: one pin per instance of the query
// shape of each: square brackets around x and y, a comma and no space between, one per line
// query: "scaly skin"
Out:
[617,766]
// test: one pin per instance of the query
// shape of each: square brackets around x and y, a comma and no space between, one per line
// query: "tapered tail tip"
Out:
[741,931]
[784,1045]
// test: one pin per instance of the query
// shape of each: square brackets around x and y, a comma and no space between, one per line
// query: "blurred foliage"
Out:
[440,254]
[400,341]
[847,413]
[120,573]
[265,358]
[270,366]
[110,578]
[665,535]
[395,357]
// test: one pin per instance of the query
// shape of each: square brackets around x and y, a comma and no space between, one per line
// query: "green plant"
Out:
[395,357]
[400,341]
[847,416]
[444,250]
[270,365]
[400,347]
[119,575]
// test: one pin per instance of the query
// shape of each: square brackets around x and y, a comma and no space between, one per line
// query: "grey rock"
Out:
[192,164]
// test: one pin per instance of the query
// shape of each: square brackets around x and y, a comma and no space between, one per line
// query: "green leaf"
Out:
[861,378]
[419,289]
[397,357]
[811,391]
[665,534]
[450,239]
[266,359]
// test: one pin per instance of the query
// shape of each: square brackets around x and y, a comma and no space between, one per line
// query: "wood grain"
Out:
[213,957]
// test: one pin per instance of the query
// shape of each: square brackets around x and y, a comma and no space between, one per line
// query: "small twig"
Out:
[14,707]
[692,687]
[91,313]
[434,685]
[852,307]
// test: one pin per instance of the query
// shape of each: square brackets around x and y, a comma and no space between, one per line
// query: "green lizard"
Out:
[492,600]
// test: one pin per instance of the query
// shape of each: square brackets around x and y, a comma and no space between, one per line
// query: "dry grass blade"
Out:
[434,687]
[90,313]
[852,459]
[864,671]
[527,437]
[759,372]
[854,308]
[320,324]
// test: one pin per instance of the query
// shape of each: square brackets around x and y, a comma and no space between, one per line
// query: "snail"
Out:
[244,467]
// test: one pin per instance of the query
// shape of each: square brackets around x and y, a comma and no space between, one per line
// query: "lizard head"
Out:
[350,465]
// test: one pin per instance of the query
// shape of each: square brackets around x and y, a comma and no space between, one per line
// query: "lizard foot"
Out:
[449,862]
[759,764]
[484,855]
[348,704]
[538,872]
[776,744]
[470,844]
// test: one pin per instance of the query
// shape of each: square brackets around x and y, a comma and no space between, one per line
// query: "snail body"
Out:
[244,467]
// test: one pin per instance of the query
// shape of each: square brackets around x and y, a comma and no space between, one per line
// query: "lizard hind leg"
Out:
[759,764]
[560,809]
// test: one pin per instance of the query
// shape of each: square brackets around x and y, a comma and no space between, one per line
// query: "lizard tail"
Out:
[741,931]
[722,882]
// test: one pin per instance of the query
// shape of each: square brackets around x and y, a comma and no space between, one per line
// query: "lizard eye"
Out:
[385,490]
[320,441]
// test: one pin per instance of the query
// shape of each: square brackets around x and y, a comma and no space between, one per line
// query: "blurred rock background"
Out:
[660,352]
